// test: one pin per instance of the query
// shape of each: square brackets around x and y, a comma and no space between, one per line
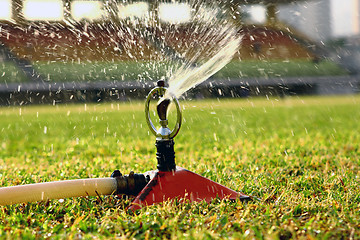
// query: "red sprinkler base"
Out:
[182,184]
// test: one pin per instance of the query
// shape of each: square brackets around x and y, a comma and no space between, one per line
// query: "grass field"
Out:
[300,156]
[128,71]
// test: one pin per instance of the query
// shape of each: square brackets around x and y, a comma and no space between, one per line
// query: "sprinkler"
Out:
[167,182]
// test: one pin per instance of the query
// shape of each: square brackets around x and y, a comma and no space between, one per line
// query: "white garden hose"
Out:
[57,190]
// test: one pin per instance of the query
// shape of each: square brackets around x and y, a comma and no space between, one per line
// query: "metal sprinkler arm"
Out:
[164,132]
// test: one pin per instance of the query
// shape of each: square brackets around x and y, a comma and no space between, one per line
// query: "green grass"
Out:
[102,71]
[300,156]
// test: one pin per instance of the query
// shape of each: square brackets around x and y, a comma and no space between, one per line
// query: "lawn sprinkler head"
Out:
[164,135]
[164,132]
[170,182]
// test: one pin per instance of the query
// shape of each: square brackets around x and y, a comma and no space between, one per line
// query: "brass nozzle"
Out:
[162,107]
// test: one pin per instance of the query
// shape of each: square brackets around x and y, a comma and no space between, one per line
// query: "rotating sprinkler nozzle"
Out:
[162,107]
[164,132]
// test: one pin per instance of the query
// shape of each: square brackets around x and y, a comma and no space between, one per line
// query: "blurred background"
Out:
[62,51]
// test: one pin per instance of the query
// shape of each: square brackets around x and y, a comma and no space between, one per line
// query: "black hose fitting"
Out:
[165,155]
[131,184]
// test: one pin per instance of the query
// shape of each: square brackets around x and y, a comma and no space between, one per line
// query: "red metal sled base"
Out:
[182,184]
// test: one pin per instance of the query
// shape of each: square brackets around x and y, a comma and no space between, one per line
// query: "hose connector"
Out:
[131,184]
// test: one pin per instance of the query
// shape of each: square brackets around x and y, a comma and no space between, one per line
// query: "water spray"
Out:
[167,182]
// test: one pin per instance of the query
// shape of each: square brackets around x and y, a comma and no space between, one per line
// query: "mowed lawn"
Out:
[300,156]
